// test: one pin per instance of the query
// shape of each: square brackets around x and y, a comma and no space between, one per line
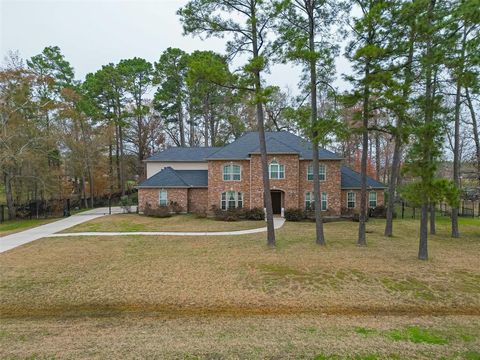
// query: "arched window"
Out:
[231,172]
[310,201]
[276,171]
[231,200]
[322,172]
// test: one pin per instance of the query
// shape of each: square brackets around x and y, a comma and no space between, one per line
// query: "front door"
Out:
[276,202]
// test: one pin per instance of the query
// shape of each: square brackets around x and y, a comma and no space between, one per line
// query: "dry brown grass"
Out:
[188,222]
[234,297]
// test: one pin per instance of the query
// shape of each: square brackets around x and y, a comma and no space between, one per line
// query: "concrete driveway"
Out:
[11,241]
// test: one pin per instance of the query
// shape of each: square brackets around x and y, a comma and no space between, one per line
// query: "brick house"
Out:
[231,176]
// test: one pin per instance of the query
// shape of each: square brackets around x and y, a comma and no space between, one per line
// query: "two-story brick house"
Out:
[231,176]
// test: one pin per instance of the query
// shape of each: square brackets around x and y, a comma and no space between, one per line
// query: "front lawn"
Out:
[232,297]
[184,222]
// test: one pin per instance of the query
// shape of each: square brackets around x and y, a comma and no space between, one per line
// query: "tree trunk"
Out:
[320,238]
[395,170]
[362,241]
[267,197]
[428,114]
[12,212]
[117,156]
[423,248]
[433,230]
[181,126]
[476,138]
[456,149]
[122,163]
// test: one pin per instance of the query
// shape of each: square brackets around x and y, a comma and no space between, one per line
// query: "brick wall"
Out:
[197,200]
[380,198]
[216,185]
[331,185]
[151,196]
[289,185]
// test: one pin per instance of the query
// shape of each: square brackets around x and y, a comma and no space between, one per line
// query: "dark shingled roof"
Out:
[352,180]
[168,177]
[278,142]
[183,154]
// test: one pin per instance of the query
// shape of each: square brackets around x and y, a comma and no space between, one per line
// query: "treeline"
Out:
[414,101]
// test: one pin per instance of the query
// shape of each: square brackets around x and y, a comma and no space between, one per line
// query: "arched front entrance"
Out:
[277,201]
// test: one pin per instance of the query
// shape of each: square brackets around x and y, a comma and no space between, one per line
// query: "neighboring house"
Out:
[231,176]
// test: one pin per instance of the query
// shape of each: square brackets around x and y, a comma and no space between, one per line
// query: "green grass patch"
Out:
[365,331]
[418,288]
[19,225]
[417,335]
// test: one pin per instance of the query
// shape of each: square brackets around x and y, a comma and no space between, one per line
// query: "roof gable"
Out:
[168,177]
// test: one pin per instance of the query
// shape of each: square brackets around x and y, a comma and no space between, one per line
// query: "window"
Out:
[162,198]
[350,200]
[276,171]
[321,172]
[231,172]
[231,200]
[324,201]
[310,201]
[372,199]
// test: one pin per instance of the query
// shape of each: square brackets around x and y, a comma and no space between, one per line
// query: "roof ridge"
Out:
[280,141]
[176,174]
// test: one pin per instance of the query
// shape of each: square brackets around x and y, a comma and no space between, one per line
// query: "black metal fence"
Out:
[62,207]
[466,209]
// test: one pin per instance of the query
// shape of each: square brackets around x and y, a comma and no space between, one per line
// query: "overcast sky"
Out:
[93,33]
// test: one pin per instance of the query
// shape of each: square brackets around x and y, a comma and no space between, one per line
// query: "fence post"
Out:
[2,213]
[413,215]
[403,209]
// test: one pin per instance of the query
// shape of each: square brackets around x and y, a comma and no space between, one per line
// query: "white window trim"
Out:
[231,173]
[376,199]
[354,199]
[326,201]
[312,199]
[226,199]
[319,165]
[280,166]
[160,197]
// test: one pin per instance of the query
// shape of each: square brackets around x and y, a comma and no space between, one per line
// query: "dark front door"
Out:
[277,202]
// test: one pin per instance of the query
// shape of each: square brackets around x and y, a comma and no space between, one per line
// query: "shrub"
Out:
[228,215]
[294,214]
[158,212]
[176,207]
[378,212]
[202,214]
[126,204]
[255,214]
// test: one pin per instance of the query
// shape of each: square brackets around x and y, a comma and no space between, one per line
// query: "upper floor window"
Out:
[231,172]
[231,200]
[310,201]
[162,198]
[372,199]
[350,200]
[322,172]
[276,171]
